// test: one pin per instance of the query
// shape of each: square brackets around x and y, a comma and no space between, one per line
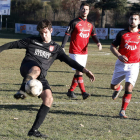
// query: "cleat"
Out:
[85,95]
[116,93]
[122,114]
[36,133]
[20,95]
[71,94]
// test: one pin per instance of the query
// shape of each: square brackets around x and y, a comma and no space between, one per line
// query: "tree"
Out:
[71,7]
[108,5]
[135,6]
[22,11]
[55,4]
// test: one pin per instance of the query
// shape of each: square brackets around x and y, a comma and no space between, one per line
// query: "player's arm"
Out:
[14,45]
[95,38]
[114,50]
[68,32]
[76,65]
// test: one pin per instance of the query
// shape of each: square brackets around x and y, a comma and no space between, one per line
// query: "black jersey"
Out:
[42,53]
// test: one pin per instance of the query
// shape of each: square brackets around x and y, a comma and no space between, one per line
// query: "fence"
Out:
[102,33]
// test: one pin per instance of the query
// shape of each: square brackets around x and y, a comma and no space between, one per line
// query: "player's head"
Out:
[45,29]
[134,19]
[84,10]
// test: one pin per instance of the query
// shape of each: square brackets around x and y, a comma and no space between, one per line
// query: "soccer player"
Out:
[41,52]
[80,30]
[127,65]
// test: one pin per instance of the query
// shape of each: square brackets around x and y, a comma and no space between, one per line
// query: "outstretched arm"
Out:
[15,45]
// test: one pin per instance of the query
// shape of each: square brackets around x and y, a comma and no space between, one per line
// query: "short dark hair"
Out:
[134,13]
[84,4]
[43,24]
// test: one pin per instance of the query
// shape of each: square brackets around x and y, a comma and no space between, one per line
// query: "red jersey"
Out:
[129,45]
[80,31]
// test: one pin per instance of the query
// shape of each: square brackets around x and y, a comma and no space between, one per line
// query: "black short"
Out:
[24,69]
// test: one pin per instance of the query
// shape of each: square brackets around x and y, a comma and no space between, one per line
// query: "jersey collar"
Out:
[82,19]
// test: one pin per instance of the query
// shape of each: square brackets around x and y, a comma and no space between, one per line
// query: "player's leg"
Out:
[29,71]
[117,78]
[126,99]
[47,99]
[74,84]
[131,78]
[117,89]
[81,84]
[81,59]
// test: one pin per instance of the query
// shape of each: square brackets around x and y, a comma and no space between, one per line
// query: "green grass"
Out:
[93,119]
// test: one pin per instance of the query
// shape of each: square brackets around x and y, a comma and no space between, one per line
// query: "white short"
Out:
[81,59]
[127,72]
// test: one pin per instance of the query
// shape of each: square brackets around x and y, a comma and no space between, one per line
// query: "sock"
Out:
[74,83]
[42,112]
[26,79]
[126,99]
[81,83]
[117,89]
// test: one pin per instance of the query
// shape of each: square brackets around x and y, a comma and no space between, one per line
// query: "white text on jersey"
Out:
[42,53]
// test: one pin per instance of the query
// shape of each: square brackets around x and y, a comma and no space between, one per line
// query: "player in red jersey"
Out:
[80,30]
[127,65]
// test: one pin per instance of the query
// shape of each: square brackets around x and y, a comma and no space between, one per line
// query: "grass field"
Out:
[93,119]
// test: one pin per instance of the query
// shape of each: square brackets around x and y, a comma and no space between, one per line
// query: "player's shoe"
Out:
[71,94]
[116,93]
[20,95]
[122,114]
[36,133]
[85,95]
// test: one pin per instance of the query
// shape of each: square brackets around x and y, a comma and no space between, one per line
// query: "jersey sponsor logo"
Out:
[42,53]
[130,47]
[84,35]
[51,48]
[83,30]
[129,41]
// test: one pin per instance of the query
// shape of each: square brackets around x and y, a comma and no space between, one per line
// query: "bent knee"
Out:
[35,71]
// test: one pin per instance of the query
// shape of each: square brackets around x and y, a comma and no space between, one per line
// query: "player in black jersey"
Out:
[40,54]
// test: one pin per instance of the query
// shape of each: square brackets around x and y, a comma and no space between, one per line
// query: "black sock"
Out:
[26,79]
[42,112]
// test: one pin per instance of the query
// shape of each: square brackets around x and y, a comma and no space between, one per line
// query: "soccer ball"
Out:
[33,87]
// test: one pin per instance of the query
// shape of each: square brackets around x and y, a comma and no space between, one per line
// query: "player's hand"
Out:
[90,75]
[99,46]
[123,58]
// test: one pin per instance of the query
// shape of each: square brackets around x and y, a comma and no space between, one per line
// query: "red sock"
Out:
[125,100]
[74,83]
[117,89]
[81,83]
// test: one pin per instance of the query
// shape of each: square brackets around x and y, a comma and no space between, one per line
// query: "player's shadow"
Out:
[61,71]
[36,107]
[20,107]
[86,114]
